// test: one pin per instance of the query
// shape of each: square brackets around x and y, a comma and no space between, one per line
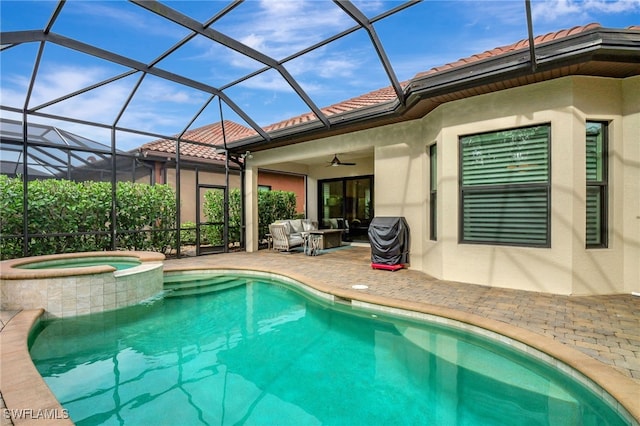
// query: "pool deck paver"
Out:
[604,331]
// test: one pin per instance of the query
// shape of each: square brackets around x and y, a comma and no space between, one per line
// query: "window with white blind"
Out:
[596,209]
[505,187]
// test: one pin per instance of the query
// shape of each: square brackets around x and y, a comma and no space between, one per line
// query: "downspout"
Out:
[306,196]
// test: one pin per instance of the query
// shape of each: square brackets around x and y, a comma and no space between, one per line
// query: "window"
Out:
[264,187]
[433,192]
[505,187]
[596,210]
[349,198]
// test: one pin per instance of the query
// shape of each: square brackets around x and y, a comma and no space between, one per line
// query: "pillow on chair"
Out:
[308,225]
[296,226]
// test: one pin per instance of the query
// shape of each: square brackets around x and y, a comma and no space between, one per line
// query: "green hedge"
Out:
[145,216]
[62,206]
[272,205]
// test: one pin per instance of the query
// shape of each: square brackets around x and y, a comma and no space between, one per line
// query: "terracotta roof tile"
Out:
[376,97]
[522,44]
[210,134]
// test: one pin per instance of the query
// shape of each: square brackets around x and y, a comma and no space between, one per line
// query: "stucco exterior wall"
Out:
[600,270]
[567,267]
[188,188]
[401,170]
[506,266]
[630,159]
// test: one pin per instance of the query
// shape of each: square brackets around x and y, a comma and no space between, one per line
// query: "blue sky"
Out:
[428,34]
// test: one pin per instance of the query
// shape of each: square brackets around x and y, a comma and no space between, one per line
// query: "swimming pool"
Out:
[232,349]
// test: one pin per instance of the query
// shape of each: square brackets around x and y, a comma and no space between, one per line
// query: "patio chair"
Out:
[282,239]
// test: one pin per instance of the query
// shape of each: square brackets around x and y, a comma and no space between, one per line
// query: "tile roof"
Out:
[522,44]
[376,97]
[387,94]
[212,134]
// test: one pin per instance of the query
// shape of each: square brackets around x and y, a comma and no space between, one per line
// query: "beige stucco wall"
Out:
[188,188]
[630,175]
[401,169]
[567,267]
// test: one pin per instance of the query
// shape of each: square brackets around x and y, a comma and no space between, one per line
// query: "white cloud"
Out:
[59,79]
[157,107]
[616,6]
[121,15]
[369,6]
[279,29]
[552,10]
[269,80]
[337,67]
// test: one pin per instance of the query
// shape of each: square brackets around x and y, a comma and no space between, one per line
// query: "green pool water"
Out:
[249,351]
[117,262]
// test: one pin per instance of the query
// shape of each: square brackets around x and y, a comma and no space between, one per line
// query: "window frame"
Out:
[505,189]
[602,187]
[433,192]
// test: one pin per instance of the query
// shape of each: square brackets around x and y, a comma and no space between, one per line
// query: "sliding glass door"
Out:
[349,199]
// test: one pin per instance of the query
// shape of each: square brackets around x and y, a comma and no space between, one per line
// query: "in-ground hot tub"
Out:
[73,284]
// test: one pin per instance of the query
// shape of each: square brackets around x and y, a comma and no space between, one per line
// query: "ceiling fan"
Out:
[336,162]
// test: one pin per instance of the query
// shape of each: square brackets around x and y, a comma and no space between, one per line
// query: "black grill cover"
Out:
[389,238]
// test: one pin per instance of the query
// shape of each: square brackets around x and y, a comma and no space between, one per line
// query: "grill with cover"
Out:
[389,238]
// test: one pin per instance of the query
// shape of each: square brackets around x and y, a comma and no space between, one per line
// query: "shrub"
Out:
[11,222]
[83,209]
[272,205]
[147,208]
[214,212]
[145,216]
[188,233]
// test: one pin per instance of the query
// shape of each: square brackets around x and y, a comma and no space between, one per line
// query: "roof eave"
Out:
[389,111]
[599,44]
[171,156]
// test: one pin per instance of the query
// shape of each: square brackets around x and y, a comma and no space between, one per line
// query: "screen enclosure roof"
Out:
[126,73]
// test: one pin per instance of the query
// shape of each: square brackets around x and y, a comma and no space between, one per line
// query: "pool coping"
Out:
[9,269]
[22,386]
[27,397]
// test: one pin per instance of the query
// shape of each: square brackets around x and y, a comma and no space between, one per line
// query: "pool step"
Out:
[190,284]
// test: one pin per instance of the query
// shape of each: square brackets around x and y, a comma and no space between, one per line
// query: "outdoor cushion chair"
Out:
[282,239]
